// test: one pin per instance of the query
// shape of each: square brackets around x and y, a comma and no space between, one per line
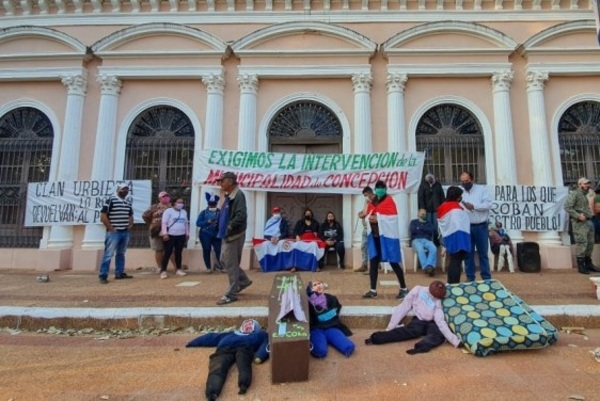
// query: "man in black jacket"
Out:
[332,233]
[430,197]
[232,229]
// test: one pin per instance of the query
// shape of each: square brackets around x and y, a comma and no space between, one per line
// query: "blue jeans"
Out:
[432,219]
[209,241]
[426,251]
[481,242]
[115,243]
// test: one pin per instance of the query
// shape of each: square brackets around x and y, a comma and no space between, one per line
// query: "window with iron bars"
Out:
[579,142]
[452,140]
[160,147]
[26,137]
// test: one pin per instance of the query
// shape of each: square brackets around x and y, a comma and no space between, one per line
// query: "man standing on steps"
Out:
[232,229]
[578,208]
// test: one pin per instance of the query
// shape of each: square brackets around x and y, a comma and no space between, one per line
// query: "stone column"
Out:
[213,139]
[104,149]
[540,147]
[363,143]
[504,146]
[248,84]
[396,123]
[68,163]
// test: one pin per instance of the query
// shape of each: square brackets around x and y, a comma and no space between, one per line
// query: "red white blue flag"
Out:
[455,227]
[389,231]
[287,254]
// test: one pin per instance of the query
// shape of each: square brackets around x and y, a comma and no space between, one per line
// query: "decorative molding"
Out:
[445,70]
[501,80]
[362,83]
[305,71]
[43,6]
[499,39]
[76,84]
[29,31]
[535,80]
[214,83]
[260,36]
[39,73]
[109,84]
[395,82]
[248,83]
[115,39]
[212,17]
[565,69]
[133,72]
[557,31]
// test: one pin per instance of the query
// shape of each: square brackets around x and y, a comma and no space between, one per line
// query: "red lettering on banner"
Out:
[212,176]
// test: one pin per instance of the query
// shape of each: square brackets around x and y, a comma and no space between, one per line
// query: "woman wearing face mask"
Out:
[175,232]
[153,217]
[307,228]
[384,239]
[208,224]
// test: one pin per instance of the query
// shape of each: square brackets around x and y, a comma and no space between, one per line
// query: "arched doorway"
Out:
[160,147]
[305,126]
[452,140]
[579,142]
[26,138]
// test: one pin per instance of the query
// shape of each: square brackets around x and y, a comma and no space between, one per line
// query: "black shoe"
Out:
[430,270]
[342,267]
[368,341]
[123,276]
[590,266]
[243,390]
[370,295]
[402,293]
[103,280]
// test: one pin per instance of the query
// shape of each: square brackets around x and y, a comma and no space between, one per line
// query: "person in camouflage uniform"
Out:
[578,208]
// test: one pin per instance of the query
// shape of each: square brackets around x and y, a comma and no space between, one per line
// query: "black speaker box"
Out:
[528,257]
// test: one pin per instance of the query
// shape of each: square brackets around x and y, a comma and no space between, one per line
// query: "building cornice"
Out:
[565,69]
[40,74]
[449,70]
[141,72]
[304,71]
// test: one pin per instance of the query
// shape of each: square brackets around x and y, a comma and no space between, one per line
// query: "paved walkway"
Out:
[50,367]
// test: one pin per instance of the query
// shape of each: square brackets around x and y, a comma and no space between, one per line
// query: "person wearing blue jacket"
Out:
[208,224]
[240,346]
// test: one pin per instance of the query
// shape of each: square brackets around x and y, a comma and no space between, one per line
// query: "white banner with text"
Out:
[529,207]
[291,172]
[69,203]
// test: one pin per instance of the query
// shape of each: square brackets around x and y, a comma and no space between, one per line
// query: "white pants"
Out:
[505,252]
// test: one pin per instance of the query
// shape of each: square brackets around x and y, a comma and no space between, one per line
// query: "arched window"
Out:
[305,122]
[26,137]
[160,147]
[452,140]
[579,142]
[305,126]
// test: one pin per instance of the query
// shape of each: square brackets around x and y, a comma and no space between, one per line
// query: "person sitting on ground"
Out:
[208,225]
[307,229]
[421,240]
[325,325]
[240,346]
[276,227]
[428,320]
[332,233]
[501,246]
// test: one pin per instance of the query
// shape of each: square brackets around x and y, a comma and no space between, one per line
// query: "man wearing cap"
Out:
[232,229]
[578,208]
[117,217]
[276,227]
[430,196]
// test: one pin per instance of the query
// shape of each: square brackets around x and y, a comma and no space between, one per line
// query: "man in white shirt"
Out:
[477,202]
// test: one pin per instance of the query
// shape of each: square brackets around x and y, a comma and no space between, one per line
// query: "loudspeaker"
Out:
[528,257]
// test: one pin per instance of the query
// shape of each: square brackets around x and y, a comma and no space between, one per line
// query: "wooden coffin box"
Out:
[289,337]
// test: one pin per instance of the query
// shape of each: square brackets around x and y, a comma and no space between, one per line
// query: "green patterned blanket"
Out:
[489,318]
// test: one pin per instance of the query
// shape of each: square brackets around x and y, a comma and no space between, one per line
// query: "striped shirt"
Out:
[118,211]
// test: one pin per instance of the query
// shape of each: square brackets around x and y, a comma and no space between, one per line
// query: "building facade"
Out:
[99,90]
